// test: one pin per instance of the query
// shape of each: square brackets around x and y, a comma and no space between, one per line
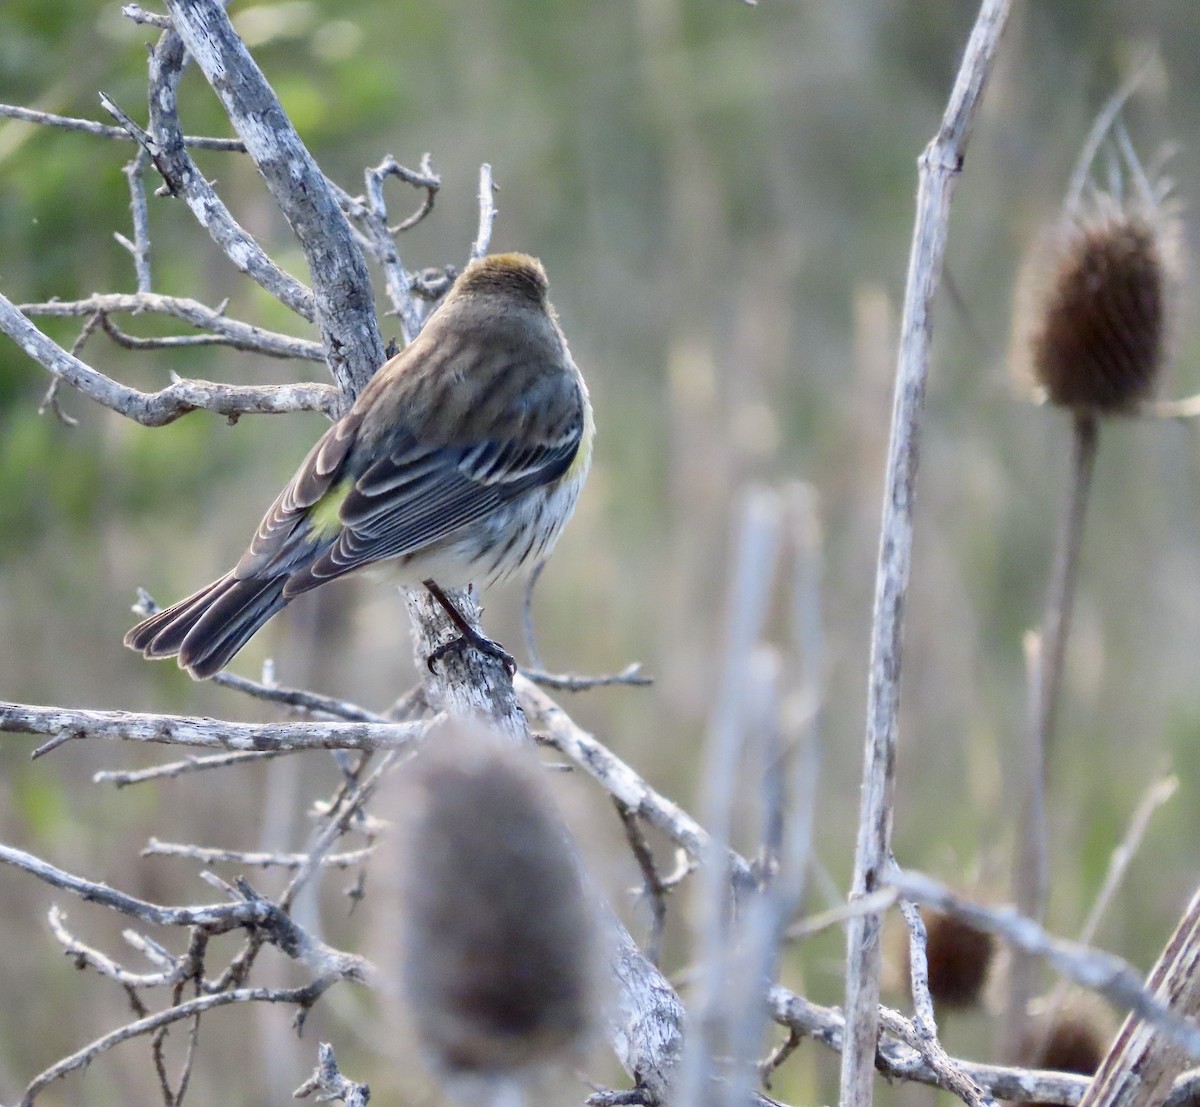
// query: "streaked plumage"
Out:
[460,461]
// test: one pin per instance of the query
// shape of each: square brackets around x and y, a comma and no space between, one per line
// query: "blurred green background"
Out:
[723,198]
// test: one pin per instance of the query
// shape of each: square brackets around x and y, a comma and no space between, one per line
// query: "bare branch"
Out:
[179,768]
[619,779]
[205,733]
[303,997]
[310,702]
[181,177]
[1103,972]
[155,409]
[105,130]
[924,1021]
[345,310]
[259,859]
[568,682]
[329,1083]
[232,332]
[487,211]
[140,246]
[1146,1056]
[139,15]
[653,886]
[938,169]
[217,918]
[85,956]
[900,1062]
[380,235]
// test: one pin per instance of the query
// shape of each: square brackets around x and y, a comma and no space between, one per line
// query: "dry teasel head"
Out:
[1096,300]
[959,959]
[500,945]
[1074,1037]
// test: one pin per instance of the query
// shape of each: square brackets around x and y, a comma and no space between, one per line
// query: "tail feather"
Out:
[209,627]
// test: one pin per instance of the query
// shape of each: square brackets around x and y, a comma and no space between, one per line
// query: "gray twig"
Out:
[487,211]
[328,1082]
[106,130]
[258,859]
[205,733]
[345,311]
[155,409]
[232,332]
[1103,972]
[939,167]
[181,177]
[924,1021]
[140,246]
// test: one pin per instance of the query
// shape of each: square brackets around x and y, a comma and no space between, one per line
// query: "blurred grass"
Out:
[723,198]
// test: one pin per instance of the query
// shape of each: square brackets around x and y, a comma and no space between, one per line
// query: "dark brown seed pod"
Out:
[1073,1038]
[500,945]
[1097,317]
[959,958]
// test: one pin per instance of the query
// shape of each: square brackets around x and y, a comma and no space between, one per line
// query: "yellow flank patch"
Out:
[324,514]
[584,453]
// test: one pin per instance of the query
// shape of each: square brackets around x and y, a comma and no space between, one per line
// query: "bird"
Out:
[460,462]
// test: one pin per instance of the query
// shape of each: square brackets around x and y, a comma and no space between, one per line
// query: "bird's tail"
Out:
[209,627]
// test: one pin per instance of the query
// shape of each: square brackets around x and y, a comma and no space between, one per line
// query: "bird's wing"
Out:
[417,495]
[285,538]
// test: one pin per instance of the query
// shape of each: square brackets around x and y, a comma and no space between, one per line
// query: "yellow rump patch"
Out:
[324,515]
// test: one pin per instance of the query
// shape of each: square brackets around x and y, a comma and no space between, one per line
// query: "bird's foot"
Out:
[472,639]
[468,636]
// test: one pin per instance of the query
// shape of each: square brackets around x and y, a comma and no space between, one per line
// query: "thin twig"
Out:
[311,702]
[487,211]
[1103,972]
[940,165]
[527,624]
[381,237]
[653,887]
[139,248]
[122,778]
[302,997]
[205,733]
[85,956]
[925,1021]
[568,682]
[105,130]
[345,313]
[258,859]
[1031,871]
[898,1061]
[234,332]
[1060,600]
[620,780]
[1143,1061]
[875,903]
[155,409]
[329,1083]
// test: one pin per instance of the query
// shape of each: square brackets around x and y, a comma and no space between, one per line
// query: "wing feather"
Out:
[408,502]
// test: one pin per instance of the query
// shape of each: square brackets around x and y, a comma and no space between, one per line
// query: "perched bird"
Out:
[460,461]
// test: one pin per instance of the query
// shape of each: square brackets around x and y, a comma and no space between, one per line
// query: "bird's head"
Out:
[513,274]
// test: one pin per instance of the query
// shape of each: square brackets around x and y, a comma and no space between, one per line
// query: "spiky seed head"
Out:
[1073,1038]
[1095,310]
[500,942]
[959,958]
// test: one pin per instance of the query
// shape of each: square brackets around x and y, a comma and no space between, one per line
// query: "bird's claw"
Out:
[475,641]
